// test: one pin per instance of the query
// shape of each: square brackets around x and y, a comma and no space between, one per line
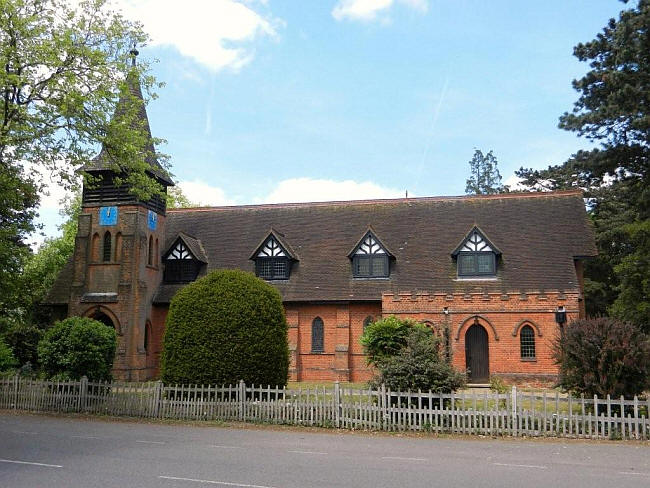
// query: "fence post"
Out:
[157,397]
[16,380]
[242,398]
[513,403]
[337,403]
[83,392]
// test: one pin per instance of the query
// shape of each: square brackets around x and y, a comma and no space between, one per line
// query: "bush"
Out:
[386,337]
[7,359]
[77,347]
[418,365]
[23,339]
[225,327]
[603,357]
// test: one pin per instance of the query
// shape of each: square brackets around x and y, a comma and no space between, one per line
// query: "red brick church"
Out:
[495,276]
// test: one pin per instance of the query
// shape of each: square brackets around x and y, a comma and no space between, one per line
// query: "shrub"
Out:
[7,359]
[386,337]
[23,339]
[77,347]
[418,365]
[603,357]
[225,327]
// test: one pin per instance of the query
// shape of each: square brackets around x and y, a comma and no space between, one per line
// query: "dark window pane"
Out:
[265,268]
[280,268]
[317,333]
[361,266]
[272,268]
[527,341]
[486,263]
[379,266]
[181,270]
[466,264]
[107,247]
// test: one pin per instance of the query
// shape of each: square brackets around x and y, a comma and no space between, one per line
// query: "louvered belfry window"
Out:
[370,259]
[476,257]
[272,262]
[180,265]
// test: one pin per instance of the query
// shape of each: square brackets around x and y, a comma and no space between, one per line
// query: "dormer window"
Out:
[476,257]
[370,258]
[272,260]
[181,265]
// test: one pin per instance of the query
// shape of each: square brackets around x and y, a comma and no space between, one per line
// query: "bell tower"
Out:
[117,250]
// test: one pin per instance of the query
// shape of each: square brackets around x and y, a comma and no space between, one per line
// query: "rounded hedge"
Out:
[225,327]
[77,347]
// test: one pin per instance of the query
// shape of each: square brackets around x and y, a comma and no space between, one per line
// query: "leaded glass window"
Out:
[317,335]
[370,259]
[476,257]
[272,262]
[527,342]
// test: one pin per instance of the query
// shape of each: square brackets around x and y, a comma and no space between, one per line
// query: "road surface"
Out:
[42,451]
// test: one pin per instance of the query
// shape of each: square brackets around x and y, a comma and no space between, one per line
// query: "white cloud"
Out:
[202,194]
[514,183]
[215,33]
[370,10]
[321,190]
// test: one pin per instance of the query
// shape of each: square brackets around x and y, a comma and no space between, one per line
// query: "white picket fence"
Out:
[480,413]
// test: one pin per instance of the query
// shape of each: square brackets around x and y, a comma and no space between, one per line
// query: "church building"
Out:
[496,277]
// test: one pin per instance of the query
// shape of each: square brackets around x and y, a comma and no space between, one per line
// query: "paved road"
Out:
[39,451]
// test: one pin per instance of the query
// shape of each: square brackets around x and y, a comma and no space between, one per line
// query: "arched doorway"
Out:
[103,318]
[477,354]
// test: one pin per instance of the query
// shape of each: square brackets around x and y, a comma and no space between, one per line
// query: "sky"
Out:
[269,101]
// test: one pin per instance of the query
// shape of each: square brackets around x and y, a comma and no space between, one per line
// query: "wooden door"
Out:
[476,354]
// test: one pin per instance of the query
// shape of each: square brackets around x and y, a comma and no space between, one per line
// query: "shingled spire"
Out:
[106,167]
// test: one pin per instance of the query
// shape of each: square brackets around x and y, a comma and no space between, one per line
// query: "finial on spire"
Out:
[134,53]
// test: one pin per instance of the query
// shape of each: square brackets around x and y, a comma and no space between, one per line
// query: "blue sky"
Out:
[271,101]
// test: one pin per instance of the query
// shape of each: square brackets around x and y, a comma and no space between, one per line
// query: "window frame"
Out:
[371,258]
[476,272]
[260,261]
[527,351]
[317,327]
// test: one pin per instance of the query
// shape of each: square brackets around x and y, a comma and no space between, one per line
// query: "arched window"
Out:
[317,335]
[150,252]
[106,252]
[367,321]
[156,255]
[147,336]
[527,342]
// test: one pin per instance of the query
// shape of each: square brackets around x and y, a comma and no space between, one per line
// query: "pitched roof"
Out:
[539,235]
[193,245]
[102,161]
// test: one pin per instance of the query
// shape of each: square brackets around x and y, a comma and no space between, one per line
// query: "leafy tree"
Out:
[385,337]
[603,357]
[612,110]
[77,347]
[419,364]
[225,327]
[177,199]
[7,359]
[485,178]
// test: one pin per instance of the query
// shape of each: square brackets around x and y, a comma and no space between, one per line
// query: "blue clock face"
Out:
[108,216]
[152,220]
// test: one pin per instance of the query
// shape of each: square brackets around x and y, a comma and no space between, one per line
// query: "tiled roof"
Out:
[538,234]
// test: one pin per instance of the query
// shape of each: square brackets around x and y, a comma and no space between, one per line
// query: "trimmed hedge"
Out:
[77,347]
[225,327]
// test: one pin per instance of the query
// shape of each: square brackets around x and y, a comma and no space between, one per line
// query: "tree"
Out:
[385,337]
[63,70]
[177,199]
[603,357]
[613,110]
[419,364]
[7,359]
[77,347]
[485,178]
[225,327]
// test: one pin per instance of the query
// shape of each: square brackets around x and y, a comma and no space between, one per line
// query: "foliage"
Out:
[498,385]
[77,347]
[385,337]
[613,110]
[418,365]
[225,327]
[177,199]
[485,178]
[7,359]
[24,339]
[603,357]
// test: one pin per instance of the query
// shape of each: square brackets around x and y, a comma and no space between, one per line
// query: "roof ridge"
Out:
[510,195]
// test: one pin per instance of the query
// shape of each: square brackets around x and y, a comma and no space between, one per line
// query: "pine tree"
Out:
[485,178]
